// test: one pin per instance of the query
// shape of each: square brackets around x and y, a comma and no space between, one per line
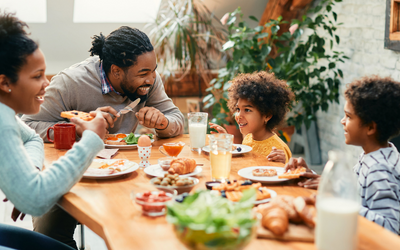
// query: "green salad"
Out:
[133,139]
[207,221]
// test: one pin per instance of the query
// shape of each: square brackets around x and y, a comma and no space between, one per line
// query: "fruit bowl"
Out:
[153,202]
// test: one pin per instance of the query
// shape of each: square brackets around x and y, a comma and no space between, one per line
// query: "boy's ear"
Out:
[372,128]
[4,85]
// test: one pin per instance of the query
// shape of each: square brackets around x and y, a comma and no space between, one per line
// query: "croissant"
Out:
[307,212]
[286,203]
[182,166]
[276,220]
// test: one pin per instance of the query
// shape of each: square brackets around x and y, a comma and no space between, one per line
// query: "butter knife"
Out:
[130,107]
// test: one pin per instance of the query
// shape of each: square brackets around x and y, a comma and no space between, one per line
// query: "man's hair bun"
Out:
[97,45]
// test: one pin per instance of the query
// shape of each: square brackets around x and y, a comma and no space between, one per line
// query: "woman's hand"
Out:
[296,163]
[97,125]
[277,155]
[15,213]
[217,127]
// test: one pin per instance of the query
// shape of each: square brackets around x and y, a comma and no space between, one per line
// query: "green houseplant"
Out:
[308,67]
[187,39]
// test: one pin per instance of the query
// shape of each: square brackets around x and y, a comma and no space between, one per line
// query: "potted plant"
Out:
[188,40]
[309,68]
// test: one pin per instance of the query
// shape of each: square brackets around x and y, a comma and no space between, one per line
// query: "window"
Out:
[392,26]
[29,11]
[116,11]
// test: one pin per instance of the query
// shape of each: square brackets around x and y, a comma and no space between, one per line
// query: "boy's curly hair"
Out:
[377,99]
[268,94]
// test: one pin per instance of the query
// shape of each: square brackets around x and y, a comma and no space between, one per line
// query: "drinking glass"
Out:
[220,156]
[197,130]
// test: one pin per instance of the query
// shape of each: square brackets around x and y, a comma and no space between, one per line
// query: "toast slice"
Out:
[293,174]
[78,114]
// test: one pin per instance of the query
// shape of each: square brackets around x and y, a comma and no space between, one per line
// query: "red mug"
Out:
[64,135]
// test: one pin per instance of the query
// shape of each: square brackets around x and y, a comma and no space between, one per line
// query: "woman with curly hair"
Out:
[260,102]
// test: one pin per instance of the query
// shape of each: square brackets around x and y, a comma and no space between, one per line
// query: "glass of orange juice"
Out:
[220,156]
[171,148]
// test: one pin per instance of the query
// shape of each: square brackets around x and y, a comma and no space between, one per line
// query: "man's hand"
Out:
[296,163]
[217,127]
[312,183]
[152,118]
[277,155]
[107,112]
[15,213]
[97,125]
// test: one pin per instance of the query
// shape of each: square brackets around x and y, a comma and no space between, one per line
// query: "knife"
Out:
[130,107]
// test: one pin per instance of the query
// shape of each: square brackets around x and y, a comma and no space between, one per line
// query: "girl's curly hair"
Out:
[377,99]
[268,94]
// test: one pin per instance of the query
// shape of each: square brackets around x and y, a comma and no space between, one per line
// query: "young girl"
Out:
[260,102]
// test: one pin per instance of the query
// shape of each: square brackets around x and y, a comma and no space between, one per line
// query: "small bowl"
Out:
[179,189]
[165,163]
[151,208]
[211,184]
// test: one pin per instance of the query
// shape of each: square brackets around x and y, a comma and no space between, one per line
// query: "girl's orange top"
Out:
[265,147]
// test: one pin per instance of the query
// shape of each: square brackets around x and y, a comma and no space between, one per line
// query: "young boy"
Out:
[372,117]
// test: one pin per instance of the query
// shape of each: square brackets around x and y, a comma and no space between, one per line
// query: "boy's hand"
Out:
[217,127]
[277,155]
[97,125]
[312,183]
[296,163]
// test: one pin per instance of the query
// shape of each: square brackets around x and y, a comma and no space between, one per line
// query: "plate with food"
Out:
[237,149]
[263,174]
[232,190]
[106,168]
[124,141]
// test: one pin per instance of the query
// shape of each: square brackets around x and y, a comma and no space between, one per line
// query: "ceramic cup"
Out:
[144,154]
[64,135]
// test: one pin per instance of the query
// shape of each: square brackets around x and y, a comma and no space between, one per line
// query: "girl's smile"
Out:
[250,120]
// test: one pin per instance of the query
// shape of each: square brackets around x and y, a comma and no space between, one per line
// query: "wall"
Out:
[362,39]
[65,43]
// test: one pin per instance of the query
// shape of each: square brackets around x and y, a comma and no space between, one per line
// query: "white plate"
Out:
[247,173]
[130,165]
[273,194]
[245,149]
[124,146]
[156,170]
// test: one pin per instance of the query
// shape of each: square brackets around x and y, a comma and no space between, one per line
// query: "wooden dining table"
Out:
[105,205]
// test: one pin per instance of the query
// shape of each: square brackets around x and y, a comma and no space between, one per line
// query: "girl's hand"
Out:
[97,125]
[217,127]
[277,155]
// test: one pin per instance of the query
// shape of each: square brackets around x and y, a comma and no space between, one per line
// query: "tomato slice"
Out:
[120,135]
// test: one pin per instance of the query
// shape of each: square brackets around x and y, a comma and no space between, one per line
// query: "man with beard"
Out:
[122,68]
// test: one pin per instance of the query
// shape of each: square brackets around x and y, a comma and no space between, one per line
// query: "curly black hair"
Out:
[268,94]
[121,47]
[15,46]
[377,99]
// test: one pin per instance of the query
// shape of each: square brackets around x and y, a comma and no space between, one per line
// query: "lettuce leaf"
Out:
[133,139]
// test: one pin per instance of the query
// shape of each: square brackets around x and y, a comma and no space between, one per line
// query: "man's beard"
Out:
[133,95]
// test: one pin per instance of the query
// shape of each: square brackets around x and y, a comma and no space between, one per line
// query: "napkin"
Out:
[107,153]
